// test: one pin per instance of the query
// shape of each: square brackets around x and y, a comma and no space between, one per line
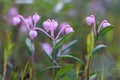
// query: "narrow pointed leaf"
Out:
[30,46]
[93,76]
[63,71]
[73,57]
[65,38]
[69,45]
[97,48]
[51,58]
[48,68]
[59,45]
[55,52]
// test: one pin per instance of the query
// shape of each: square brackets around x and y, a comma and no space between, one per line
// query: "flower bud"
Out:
[46,25]
[16,20]
[33,34]
[36,17]
[90,20]
[28,20]
[50,25]
[69,30]
[54,24]
[105,24]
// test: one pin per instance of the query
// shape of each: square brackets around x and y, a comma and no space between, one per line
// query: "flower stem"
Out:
[77,70]
[44,32]
[30,73]
[5,65]
[102,74]
[88,68]
[53,71]
[31,60]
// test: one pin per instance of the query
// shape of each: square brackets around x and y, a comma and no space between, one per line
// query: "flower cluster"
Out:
[12,12]
[49,26]
[90,20]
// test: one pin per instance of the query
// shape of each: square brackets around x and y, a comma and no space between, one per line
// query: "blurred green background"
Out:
[72,11]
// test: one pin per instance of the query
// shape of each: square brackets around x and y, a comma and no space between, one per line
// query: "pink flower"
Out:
[105,24]
[33,34]
[68,29]
[90,20]
[62,26]
[50,25]
[12,12]
[29,21]
[16,20]
[36,17]
[23,29]
[47,48]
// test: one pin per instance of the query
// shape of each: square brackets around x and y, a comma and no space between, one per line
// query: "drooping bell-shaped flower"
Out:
[29,21]
[90,20]
[105,24]
[68,29]
[50,25]
[36,17]
[33,34]
[16,20]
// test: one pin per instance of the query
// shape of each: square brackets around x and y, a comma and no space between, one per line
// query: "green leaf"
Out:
[10,48]
[65,38]
[69,75]
[103,32]
[59,45]
[25,69]
[93,76]
[48,68]
[73,57]
[8,44]
[90,43]
[98,47]
[55,51]
[52,58]
[69,45]
[30,46]
[62,71]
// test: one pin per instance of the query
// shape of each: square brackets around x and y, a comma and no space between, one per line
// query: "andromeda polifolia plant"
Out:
[50,26]
[96,33]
